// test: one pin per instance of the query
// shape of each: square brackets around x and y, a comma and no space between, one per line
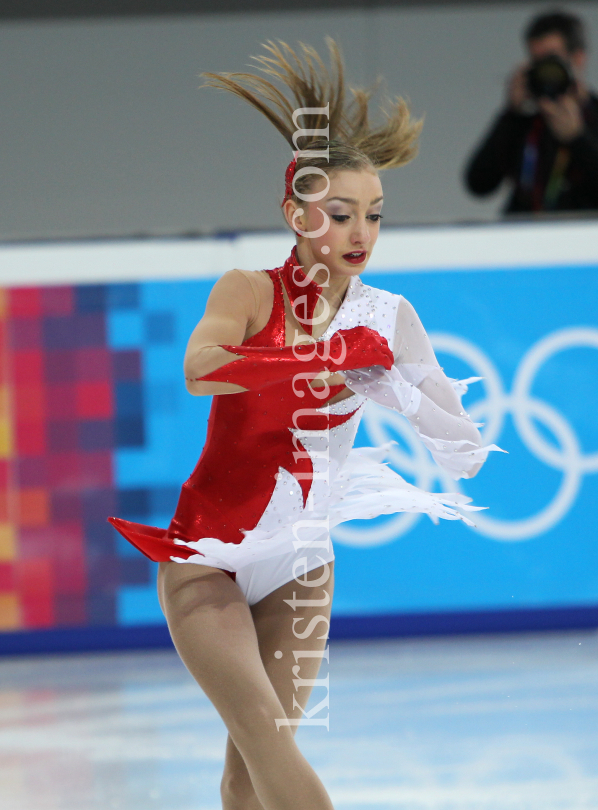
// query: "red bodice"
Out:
[249,438]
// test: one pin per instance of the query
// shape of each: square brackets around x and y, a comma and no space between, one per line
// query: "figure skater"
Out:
[290,357]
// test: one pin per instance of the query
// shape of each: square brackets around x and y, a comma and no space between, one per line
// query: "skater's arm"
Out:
[230,309]
[417,387]
[440,416]
[217,362]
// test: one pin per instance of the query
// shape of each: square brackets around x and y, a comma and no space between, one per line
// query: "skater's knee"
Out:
[254,727]
[237,792]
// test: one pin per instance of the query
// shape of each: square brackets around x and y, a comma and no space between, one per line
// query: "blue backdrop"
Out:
[532,334]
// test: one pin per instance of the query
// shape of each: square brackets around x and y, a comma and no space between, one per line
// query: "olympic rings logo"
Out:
[526,410]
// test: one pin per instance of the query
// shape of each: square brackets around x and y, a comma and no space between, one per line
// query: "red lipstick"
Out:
[355,257]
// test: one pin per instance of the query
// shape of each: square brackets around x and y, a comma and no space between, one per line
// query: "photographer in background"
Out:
[545,143]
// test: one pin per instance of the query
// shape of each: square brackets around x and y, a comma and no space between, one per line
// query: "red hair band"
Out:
[289,176]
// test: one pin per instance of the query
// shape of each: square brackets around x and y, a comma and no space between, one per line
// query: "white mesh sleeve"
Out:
[417,387]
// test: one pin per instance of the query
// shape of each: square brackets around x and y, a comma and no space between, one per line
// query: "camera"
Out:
[549,77]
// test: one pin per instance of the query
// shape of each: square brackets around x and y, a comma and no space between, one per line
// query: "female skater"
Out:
[290,356]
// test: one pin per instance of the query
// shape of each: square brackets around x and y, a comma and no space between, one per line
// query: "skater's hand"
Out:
[358,348]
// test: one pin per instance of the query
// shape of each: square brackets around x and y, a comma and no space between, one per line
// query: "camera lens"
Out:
[549,77]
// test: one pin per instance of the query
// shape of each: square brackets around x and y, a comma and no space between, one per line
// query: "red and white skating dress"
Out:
[279,470]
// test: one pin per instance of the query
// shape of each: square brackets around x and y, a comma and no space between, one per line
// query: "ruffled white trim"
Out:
[364,488]
[367,488]
[462,386]
[456,457]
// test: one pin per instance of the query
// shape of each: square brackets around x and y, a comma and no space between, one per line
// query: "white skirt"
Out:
[363,488]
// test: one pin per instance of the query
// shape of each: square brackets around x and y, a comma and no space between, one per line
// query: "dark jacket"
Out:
[557,177]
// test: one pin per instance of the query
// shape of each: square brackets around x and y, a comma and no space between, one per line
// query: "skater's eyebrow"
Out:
[351,201]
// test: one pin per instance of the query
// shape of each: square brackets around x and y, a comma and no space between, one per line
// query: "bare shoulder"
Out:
[259,280]
[233,283]
[245,292]
[232,279]
[262,291]
[262,297]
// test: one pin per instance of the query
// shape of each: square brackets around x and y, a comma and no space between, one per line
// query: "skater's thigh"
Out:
[293,635]
[213,630]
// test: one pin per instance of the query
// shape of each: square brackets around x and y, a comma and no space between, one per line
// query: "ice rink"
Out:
[462,723]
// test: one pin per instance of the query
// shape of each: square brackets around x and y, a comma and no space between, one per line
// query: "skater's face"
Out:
[340,228]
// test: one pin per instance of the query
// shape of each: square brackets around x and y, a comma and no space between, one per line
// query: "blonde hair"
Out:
[352,142]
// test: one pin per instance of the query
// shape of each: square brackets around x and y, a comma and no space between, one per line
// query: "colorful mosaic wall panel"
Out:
[67,402]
